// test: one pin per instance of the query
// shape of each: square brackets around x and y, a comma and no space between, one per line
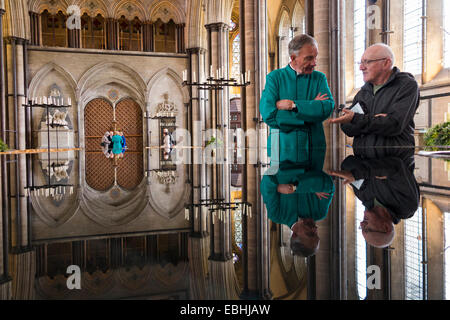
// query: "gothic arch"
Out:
[283,21]
[298,15]
[38,6]
[116,73]
[174,77]
[42,74]
[100,7]
[196,34]
[129,9]
[165,11]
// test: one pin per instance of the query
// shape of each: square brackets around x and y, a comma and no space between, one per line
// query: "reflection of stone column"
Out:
[21,257]
[35,29]
[5,285]
[218,39]
[180,38]
[148,36]
[74,38]
[197,125]
[255,228]
[113,35]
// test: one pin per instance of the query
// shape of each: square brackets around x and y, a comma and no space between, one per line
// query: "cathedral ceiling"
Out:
[145,10]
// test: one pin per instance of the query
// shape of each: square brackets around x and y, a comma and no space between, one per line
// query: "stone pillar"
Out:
[147,36]
[197,58]
[180,43]
[74,38]
[15,54]
[256,232]
[219,105]
[336,140]
[35,25]
[309,13]
[112,30]
[4,242]
[322,258]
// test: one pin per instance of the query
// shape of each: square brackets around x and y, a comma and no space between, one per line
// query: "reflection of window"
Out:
[93,32]
[236,66]
[359,39]
[414,275]
[54,31]
[446,25]
[447,255]
[165,38]
[361,257]
[412,36]
[130,34]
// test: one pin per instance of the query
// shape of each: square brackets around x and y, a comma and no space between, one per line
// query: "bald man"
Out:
[382,111]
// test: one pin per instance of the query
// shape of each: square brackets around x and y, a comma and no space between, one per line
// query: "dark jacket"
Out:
[399,192]
[399,99]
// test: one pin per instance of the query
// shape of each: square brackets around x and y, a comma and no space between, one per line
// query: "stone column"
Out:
[309,13]
[35,26]
[219,105]
[112,30]
[256,257]
[21,257]
[180,43]
[336,140]
[322,258]
[197,58]
[5,279]
[147,36]
[74,38]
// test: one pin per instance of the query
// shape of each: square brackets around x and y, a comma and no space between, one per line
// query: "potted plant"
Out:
[3,146]
[438,137]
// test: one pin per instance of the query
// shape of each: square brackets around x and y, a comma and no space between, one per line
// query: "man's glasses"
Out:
[367,62]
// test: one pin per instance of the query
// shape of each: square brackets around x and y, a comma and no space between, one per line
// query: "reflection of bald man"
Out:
[387,188]
[382,112]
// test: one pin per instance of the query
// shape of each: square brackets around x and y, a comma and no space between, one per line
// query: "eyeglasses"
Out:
[367,62]
[367,229]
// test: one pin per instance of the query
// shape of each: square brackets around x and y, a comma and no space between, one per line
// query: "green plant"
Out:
[213,141]
[438,136]
[3,146]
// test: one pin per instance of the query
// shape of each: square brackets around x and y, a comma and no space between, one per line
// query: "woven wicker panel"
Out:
[134,143]
[98,118]
[130,172]
[99,171]
[93,144]
[129,117]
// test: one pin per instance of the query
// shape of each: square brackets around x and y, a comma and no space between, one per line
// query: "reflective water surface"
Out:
[376,225]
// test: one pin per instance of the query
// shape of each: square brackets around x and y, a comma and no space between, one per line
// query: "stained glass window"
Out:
[447,255]
[361,254]
[359,39]
[446,27]
[236,67]
[414,275]
[412,36]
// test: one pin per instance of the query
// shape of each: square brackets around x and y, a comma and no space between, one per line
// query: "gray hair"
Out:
[386,50]
[299,41]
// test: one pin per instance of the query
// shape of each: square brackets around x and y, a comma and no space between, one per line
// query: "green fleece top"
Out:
[303,203]
[295,130]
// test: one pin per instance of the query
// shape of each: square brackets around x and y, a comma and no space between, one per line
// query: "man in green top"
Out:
[297,196]
[295,102]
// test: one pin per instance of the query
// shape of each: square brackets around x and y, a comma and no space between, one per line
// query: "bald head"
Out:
[377,227]
[377,64]
[383,51]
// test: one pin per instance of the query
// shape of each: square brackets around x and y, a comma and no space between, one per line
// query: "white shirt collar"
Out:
[298,73]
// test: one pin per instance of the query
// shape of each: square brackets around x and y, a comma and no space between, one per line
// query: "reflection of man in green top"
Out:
[297,196]
[295,102]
